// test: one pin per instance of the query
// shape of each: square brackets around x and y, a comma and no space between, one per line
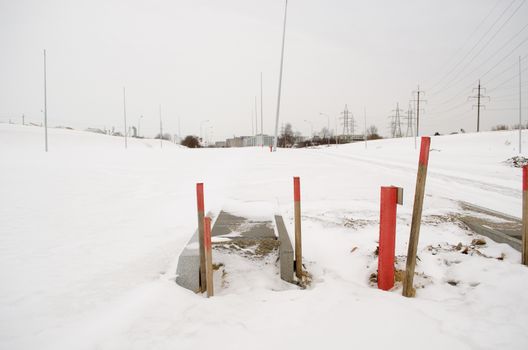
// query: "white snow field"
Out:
[90,235]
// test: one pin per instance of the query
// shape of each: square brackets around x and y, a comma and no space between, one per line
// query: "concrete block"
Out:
[285,251]
[188,269]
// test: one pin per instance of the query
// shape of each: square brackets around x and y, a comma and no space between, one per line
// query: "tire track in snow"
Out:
[508,191]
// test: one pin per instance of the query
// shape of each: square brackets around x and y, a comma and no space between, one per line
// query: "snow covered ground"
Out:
[90,235]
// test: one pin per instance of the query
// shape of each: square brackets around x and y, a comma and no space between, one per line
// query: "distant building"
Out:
[248,141]
[235,142]
[264,140]
[220,144]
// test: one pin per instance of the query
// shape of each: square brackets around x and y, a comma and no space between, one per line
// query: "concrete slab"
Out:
[500,227]
[236,234]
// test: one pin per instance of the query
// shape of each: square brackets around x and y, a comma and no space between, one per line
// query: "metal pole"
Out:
[256,115]
[124,113]
[161,129]
[179,129]
[365,137]
[45,107]
[417,114]
[201,133]
[261,111]
[139,124]
[520,114]
[478,108]
[328,128]
[280,77]
[311,126]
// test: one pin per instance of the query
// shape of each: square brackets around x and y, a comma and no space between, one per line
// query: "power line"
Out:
[478,42]
[486,73]
[467,41]
[461,78]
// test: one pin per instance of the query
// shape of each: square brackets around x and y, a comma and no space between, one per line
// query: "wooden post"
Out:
[390,196]
[525,217]
[408,289]
[201,206]
[208,257]
[297,208]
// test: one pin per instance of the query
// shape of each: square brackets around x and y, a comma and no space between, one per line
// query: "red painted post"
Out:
[524,256]
[297,214]
[208,257]
[387,239]
[201,215]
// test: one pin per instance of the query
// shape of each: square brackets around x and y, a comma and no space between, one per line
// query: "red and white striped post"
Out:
[297,214]
[524,259]
[390,196]
[208,256]
[201,215]
[408,289]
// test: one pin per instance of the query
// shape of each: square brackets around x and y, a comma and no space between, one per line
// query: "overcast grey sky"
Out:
[202,59]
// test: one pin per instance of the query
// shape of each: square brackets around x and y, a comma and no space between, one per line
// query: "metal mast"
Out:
[45,107]
[280,77]
[124,114]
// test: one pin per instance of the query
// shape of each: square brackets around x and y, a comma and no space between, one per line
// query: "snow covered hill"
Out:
[90,234]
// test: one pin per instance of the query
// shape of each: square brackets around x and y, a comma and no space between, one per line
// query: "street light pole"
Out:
[201,124]
[45,107]
[139,123]
[280,77]
[124,114]
[311,126]
[161,129]
[328,127]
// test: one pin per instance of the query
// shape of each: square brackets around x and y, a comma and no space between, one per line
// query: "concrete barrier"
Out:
[188,270]
[285,251]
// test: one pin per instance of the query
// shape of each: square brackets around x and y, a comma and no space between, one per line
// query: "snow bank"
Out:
[90,234]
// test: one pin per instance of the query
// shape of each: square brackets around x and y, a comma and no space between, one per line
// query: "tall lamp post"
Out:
[328,126]
[139,123]
[280,78]
[201,126]
[311,126]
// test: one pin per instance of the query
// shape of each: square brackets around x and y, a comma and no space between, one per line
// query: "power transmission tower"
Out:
[419,99]
[410,121]
[348,122]
[395,122]
[479,104]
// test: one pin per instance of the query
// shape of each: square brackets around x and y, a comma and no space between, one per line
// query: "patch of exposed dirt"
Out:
[471,249]
[436,220]
[250,248]
[516,162]
[306,279]
[357,223]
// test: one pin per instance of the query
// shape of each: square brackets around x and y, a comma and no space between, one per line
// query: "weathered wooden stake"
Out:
[208,257]
[298,244]
[408,289]
[525,216]
[390,196]
[201,206]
